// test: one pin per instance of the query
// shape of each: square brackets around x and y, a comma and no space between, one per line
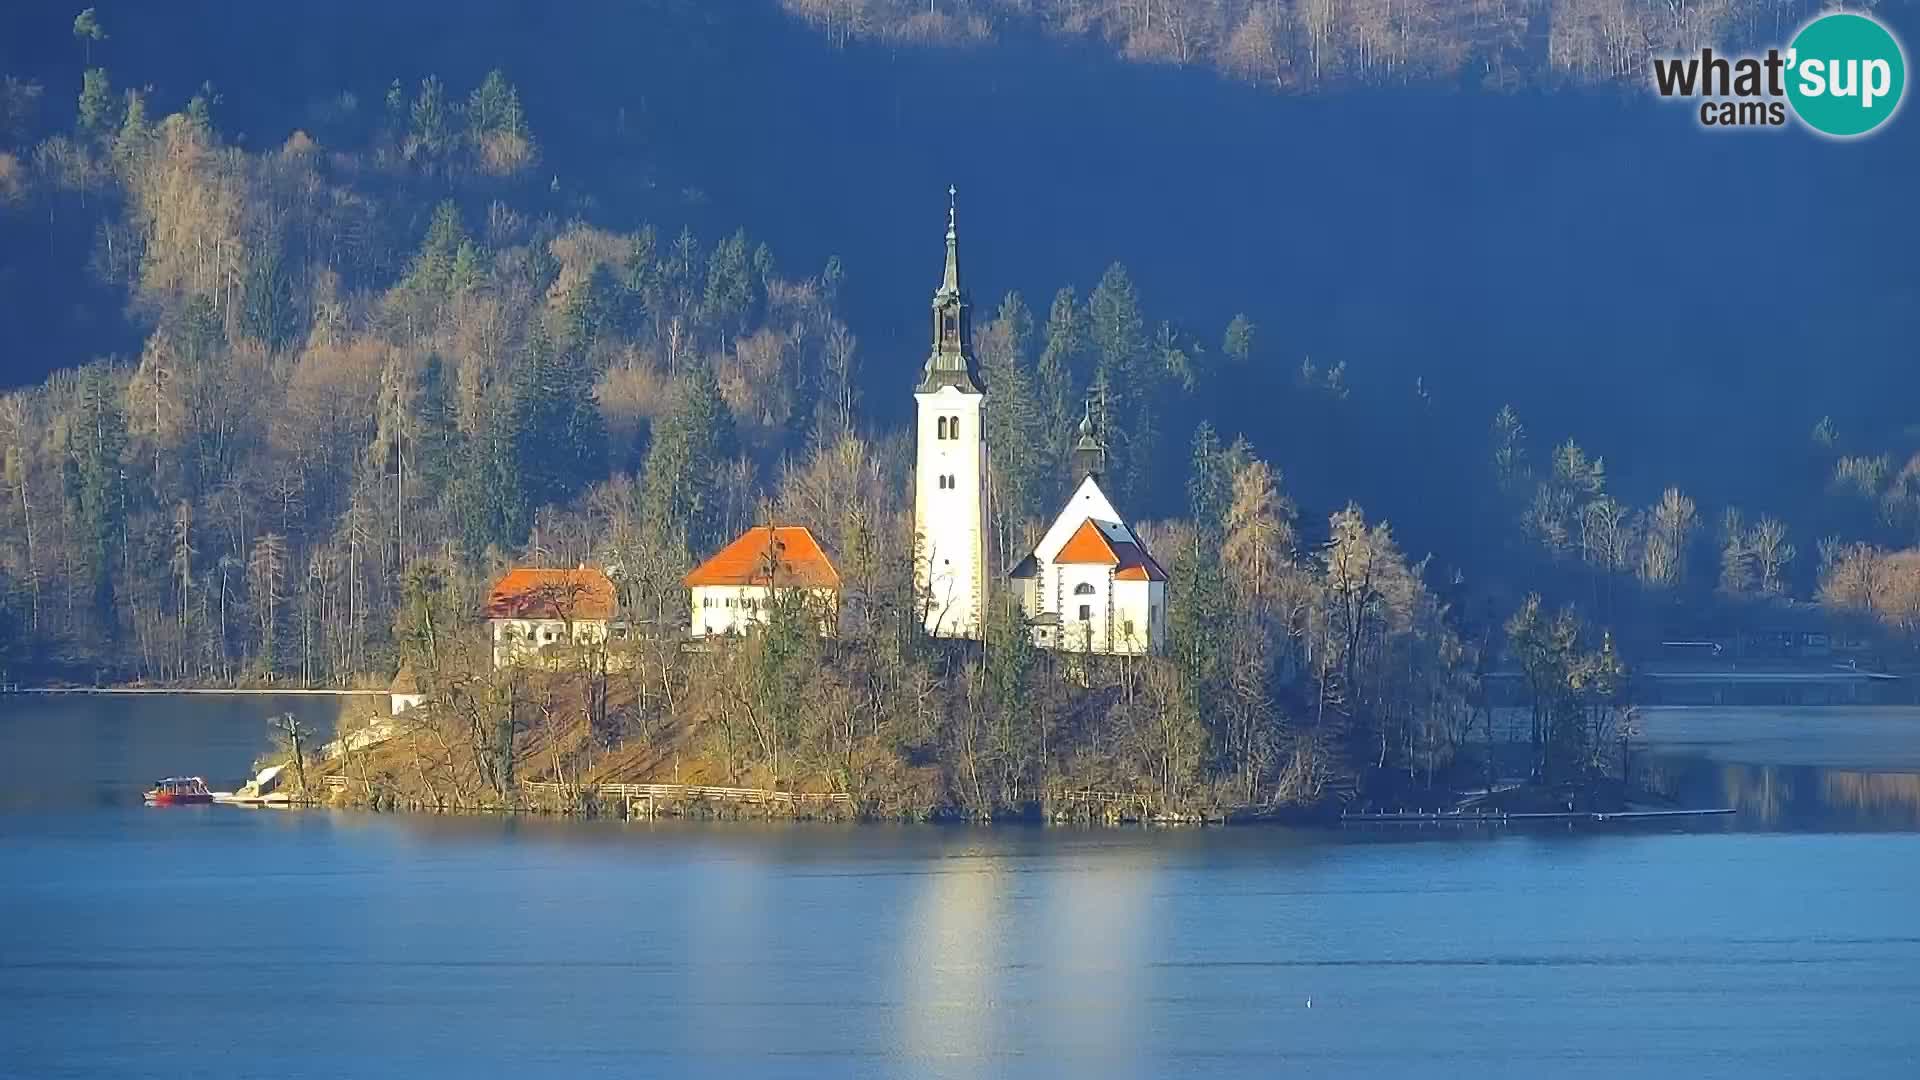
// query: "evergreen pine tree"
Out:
[96,483]
[99,113]
[1117,332]
[1055,381]
[1198,613]
[1209,485]
[680,486]
[439,437]
[729,291]
[560,438]
[486,493]
[432,269]
[1014,434]
[1237,344]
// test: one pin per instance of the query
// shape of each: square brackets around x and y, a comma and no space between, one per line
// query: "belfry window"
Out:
[940,427]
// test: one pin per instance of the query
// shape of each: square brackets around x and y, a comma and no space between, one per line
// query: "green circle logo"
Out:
[1845,74]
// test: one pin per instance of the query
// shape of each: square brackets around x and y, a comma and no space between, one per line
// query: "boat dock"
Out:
[1501,817]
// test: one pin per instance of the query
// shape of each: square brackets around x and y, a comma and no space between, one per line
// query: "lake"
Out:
[215,941]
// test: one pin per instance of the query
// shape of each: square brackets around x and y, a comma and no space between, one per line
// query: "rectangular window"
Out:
[1086,612]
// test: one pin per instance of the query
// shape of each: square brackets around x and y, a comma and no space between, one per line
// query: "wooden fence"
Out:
[643,798]
[658,793]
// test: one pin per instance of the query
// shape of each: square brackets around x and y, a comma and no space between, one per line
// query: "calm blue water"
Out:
[222,942]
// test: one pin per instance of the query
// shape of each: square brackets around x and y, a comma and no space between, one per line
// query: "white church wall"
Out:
[1084,608]
[950,510]
[1137,610]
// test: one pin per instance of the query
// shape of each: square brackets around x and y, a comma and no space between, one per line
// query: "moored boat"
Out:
[179,791]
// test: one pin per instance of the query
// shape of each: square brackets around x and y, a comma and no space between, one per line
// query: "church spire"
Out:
[951,361]
[1089,457]
[951,282]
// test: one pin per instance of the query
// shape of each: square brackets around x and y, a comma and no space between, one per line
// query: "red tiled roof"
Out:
[1137,565]
[1087,545]
[1090,544]
[533,593]
[785,555]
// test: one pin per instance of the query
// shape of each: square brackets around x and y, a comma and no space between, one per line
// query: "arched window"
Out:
[953,427]
[940,426]
[1083,589]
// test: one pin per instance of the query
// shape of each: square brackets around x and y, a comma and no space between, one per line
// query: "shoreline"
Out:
[253,691]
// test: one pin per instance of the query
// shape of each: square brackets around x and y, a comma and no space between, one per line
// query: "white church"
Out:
[1090,585]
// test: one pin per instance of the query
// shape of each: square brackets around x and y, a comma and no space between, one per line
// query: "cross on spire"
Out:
[950,282]
[952,359]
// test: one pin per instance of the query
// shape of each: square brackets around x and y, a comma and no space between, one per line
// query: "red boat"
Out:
[179,791]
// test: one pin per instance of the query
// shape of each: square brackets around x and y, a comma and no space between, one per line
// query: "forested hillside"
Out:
[375,357]
[1311,44]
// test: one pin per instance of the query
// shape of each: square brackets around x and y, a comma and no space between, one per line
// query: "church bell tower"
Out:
[950,490]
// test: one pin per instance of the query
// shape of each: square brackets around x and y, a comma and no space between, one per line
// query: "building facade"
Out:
[950,489]
[405,692]
[1090,585]
[735,591]
[536,614]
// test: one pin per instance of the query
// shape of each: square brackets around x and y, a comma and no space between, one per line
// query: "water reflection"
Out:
[1010,942]
[1795,797]
[1098,923]
[103,750]
[949,963]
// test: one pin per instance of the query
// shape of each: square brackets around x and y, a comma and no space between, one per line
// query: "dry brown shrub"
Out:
[632,394]
[503,153]
[13,181]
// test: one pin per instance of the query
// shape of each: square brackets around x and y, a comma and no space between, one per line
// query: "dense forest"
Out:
[1307,44]
[375,370]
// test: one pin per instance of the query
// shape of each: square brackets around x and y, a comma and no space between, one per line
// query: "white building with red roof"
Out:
[535,612]
[734,592]
[1091,585]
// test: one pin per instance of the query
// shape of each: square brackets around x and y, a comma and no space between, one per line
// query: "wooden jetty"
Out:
[1474,816]
[648,800]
